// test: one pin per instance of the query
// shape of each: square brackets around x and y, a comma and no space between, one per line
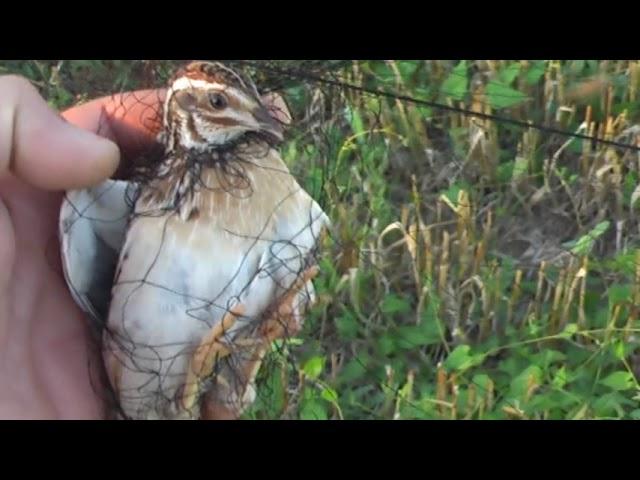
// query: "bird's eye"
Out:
[218,101]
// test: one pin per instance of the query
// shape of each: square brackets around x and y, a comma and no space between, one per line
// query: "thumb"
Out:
[42,149]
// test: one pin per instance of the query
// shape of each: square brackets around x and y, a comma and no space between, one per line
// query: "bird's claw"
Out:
[280,322]
[205,357]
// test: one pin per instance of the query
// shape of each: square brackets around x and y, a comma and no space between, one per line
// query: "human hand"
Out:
[44,338]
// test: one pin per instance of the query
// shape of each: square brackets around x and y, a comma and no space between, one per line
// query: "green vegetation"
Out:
[477,269]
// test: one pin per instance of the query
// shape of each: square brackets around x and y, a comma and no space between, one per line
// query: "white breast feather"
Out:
[169,296]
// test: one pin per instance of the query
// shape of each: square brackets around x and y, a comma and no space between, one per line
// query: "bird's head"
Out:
[208,105]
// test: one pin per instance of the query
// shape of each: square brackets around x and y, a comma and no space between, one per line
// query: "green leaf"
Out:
[621,349]
[580,413]
[504,172]
[271,401]
[619,381]
[89,64]
[313,182]
[482,381]
[62,98]
[329,394]
[535,72]
[520,168]
[386,344]
[394,304]
[503,96]
[357,125]
[585,243]
[457,84]
[569,331]
[347,325]
[354,370]
[373,104]
[635,415]
[314,367]
[520,384]
[600,229]
[458,357]
[454,190]
[407,68]
[560,379]
[509,74]
[622,263]
[414,336]
[551,400]
[313,410]
[619,294]
[609,405]
[425,111]
[546,358]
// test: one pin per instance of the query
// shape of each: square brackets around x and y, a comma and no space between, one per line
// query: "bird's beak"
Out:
[268,124]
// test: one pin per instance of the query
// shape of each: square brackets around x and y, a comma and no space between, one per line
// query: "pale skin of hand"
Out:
[44,340]
[45,348]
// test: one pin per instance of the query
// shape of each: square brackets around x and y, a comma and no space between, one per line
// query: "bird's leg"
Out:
[205,357]
[280,323]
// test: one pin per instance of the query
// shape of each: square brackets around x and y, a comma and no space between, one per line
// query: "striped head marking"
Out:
[208,105]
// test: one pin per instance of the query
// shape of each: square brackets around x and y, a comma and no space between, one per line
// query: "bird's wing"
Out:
[304,235]
[292,251]
[297,233]
[93,225]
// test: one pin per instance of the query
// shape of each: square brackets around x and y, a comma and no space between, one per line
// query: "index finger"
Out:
[131,119]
